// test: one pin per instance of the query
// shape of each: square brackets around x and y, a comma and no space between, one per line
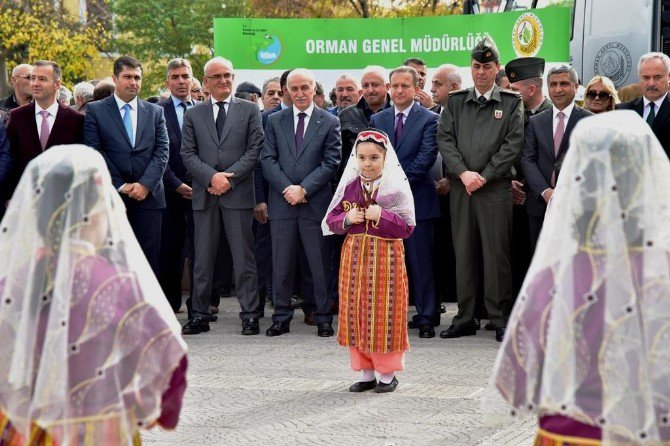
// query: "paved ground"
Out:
[292,390]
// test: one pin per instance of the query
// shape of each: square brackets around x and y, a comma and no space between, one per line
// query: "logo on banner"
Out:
[268,50]
[614,61]
[527,35]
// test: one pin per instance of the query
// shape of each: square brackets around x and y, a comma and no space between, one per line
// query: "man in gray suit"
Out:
[221,140]
[300,156]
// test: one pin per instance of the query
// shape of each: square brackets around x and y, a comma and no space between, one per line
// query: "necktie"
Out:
[558,138]
[128,124]
[181,121]
[300,132]
[220,118]
[399,128]
[481,99]
[652,114]
[44,129]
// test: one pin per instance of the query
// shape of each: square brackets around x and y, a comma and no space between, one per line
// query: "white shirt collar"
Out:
[405,112]
[658,102]
[308,112]
[120,102]
[214,101]
[52,109]
[176,101]
[567,111]
[487,95]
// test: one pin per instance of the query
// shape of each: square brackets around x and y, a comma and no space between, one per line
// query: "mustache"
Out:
[652,88]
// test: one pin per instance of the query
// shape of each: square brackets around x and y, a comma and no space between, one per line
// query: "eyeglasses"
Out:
[25,76]
[219,76]
[602,95]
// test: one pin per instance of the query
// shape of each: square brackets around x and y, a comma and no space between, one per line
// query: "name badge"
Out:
[497,114]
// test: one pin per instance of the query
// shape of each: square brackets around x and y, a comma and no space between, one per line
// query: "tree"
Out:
[350,8]
[154,31]
[34,30]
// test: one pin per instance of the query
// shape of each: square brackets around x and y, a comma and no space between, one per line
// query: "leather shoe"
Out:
[278,328]
[412,324]
[310,319]
[250,326]
[426,331]
[325,330]
[443,308]
[362,386]
[196,325]
[500,334]
[297,302]
[214,309]
[456,331]
[386,388]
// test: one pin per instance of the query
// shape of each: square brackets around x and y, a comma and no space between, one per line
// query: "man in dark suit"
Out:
[35,127]
[21,92]
[654,105]
[300,156]
[132,138]
[221,140]
[178,216]
[5,166]
[546,143]
[412,130]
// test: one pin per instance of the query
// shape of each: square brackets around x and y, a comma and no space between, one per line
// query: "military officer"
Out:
[480,135]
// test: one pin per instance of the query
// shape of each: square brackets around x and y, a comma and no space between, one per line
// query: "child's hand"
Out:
[355,216]
[373,212]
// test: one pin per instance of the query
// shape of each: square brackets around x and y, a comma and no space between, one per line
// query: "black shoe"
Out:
[443,308]
[362,386]
[196,325]
[411,324]
[500,334]
[386,388]
[297,302]
[325,330]
[278,328]
[489,327]
[478,324]
[456,331]
[250,326]
[426,331]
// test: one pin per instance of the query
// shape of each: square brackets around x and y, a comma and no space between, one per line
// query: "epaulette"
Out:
[510,92]
[455,92]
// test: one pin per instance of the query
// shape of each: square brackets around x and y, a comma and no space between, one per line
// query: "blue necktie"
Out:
[128,124]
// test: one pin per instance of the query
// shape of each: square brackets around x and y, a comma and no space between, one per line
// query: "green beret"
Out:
[524,68]
[486,51]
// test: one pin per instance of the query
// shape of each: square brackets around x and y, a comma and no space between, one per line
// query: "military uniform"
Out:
[484,137]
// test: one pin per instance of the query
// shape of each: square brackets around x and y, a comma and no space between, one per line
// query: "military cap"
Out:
[524,68]
[248,87]
[486,51]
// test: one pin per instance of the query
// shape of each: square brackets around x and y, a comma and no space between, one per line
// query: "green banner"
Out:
[277,44]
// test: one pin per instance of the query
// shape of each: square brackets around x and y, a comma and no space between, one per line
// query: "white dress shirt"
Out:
[657,102]
[120,103]
[52,109]
[180,110]
[487,95]
[308,112]
[215,108]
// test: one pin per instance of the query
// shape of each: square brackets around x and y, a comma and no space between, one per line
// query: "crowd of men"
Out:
[208,175]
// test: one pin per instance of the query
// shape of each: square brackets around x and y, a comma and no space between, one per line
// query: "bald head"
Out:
[21,83]
[445,80]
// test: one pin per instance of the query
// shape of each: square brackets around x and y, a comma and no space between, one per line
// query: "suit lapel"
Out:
[549,126]
[412,117]
[231,117]
[171,117]
[314,123]
[207,115]
[142,119]
[574,117]
[58,124]
[115,113]
[663,114]
[32,123]
[388,124]
[289,131]
[639,107]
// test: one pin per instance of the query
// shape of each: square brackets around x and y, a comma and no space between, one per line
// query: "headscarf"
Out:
[394,193]
[87,334]
[589,334]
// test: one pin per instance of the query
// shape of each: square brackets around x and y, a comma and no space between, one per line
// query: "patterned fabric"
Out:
[545,438]
[373,295]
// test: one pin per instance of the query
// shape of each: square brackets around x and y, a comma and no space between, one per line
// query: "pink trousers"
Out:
[381,362]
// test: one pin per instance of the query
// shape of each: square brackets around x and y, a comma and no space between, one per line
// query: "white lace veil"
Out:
[87,333]
[589,336]
[394,193]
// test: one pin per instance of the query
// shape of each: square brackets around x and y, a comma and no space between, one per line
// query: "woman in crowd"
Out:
[630,92]
[586,346]
[374,207]
[91,350]
[600,96]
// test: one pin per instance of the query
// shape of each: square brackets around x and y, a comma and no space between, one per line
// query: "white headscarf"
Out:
[79,305]
[394,193]
[589,336]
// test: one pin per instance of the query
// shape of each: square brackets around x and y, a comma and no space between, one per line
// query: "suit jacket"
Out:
[24,140]
[6,164]
[312,168]
[237,150]
[175,172]
[661,124]
[262,187]
[417,152]
[145,162]
[538,159]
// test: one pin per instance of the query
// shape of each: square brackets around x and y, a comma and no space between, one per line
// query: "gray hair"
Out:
[406,69]
[58,73]
[218,59]
[302,72]
[16,69]
[178,63]
[376,69]
[267,82]
[564,69]
[64,95]
[349,77]
[453,77]
[84,91]
[654,55]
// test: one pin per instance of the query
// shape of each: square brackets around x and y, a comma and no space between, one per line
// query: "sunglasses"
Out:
[602,95]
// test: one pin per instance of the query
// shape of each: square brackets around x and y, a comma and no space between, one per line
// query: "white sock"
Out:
[368,375]
[386,378]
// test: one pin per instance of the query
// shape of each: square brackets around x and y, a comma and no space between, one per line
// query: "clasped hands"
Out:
[295,194]
[219,183]
[358,215]
[472,181]
[136,191]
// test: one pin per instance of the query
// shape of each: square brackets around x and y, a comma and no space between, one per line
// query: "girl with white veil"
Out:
[91,351]
[374,207]
[586,348]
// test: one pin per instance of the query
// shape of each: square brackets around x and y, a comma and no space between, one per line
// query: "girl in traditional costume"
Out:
[587,345]
[373,206]
[91,350]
